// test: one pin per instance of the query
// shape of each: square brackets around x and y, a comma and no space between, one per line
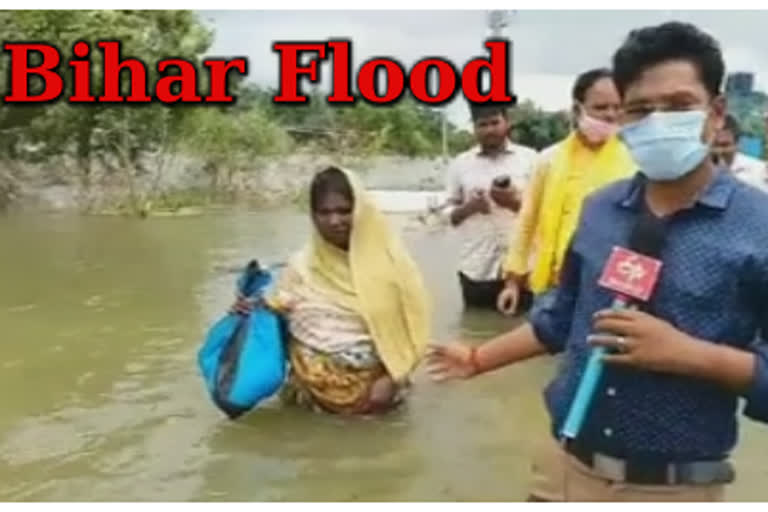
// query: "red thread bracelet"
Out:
[473,360]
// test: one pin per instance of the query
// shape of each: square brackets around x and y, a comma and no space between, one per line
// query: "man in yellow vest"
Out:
[590,157]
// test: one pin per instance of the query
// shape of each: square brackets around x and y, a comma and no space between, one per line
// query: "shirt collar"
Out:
[508,149]
[716,195]
[740,163]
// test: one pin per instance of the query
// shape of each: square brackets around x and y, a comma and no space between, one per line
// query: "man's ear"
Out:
[575,111]
[716,120]
[719,111]
[573,117]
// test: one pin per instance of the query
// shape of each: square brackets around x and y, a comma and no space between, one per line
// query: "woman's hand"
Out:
[243,305]
[382,393]
[450,362]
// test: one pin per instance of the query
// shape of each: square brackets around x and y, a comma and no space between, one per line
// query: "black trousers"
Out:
[483,294]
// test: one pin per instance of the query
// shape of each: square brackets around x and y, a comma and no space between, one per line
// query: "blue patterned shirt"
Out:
[713,285]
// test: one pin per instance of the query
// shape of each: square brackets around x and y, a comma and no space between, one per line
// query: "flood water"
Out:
[101,319]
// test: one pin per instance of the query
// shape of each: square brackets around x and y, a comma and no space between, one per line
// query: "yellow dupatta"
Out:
[377,279]
[611,162]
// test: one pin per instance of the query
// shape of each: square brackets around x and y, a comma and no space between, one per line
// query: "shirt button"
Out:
[611,391]
[608,432]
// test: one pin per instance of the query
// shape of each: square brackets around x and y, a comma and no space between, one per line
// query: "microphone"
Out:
[632,274]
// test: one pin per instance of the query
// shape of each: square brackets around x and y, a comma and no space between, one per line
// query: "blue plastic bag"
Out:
[242,359]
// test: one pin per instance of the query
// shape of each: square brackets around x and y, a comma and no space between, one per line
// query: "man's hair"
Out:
[732,125]
[649,46]
[484,110]
[586,80]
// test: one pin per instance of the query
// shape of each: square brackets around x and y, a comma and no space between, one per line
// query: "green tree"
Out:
[407,127]
[229,141]
[114,136]
[749,110]
[532,126]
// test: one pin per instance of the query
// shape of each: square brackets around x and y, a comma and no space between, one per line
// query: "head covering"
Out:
[377,279]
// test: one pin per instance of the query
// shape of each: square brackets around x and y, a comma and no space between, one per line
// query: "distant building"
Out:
[749,106]
[751,146]
[740,84]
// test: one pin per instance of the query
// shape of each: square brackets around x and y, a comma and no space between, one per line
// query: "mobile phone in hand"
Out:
[502,182]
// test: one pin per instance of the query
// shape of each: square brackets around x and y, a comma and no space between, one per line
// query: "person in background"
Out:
[663,420]
[483,189]
[589,158]
[725,152]
[356,307]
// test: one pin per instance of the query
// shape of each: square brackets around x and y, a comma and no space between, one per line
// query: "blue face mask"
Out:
[667,145]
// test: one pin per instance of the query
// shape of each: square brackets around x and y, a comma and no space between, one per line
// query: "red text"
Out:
[178,82]
[383,80]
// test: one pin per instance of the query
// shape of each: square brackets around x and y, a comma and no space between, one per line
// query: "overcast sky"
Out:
[550,47]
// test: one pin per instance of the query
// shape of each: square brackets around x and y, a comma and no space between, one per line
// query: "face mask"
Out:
[667,145]
[596,131]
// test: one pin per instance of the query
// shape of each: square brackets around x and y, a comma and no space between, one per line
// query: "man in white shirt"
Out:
[483,187]
[725,152]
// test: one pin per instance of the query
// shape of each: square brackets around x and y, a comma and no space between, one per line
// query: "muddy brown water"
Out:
[101,319]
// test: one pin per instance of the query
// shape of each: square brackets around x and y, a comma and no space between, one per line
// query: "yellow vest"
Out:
[552,205]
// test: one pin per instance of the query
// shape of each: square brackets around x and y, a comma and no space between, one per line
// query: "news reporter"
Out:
[663,421]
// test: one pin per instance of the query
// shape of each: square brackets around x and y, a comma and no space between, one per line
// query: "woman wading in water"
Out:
[357,310]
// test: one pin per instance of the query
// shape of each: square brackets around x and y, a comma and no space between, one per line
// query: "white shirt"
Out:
[750,170]
[484,238]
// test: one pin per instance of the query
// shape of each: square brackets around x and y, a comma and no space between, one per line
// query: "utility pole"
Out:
[764,156]
[499,20]
[445,133]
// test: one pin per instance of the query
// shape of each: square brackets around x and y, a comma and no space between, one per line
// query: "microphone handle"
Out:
[588,384]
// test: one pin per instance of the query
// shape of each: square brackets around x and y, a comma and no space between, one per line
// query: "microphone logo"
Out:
[631,268]
[631,274]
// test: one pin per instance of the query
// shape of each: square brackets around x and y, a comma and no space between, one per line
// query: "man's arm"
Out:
[512,347]
[461,212]
[508,198]
[650,343]
[519,253]
[744,372]
[728,366]
[547,329]
[455,194]
[644,341]
[757,392]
